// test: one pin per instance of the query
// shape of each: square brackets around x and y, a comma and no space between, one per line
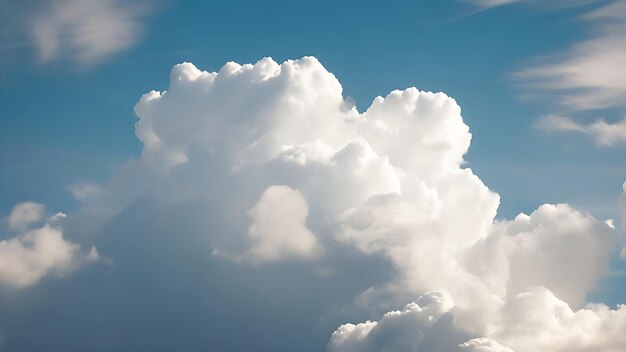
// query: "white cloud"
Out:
[482,344]
[411,329]
[538,321]
[556,247]
[603,133]
[86,32]
[25,214]
[388,183]
[486,4]
[28,257]
[622,203]
[278,227]
[85,190]
[490,3]
[589,75]
[531,321]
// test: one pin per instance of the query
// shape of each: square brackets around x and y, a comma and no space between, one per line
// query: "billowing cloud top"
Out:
[287,175]
[313,176]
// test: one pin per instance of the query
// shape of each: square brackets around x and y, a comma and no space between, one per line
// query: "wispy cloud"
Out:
[486,4]
[602,132]
[490,3]
[590,75]
[85,32]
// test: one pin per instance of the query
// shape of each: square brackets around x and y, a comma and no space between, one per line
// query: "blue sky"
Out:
[72,122]
[531,80]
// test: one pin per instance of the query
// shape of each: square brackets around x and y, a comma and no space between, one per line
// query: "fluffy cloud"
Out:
[388,182]
[420,326]
[85,32]
[556,247]
[537,320]
[24,214]
[28,257]
[483,345]
[268,167]
[531,321]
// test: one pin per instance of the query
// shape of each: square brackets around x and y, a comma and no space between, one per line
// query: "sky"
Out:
[337,175]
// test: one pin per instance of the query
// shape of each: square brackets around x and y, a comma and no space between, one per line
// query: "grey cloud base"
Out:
[265,212]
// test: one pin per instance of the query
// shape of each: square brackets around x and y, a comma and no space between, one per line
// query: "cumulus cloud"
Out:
[28,257]
[283,174]
[24,214]
[556,247]
[388,181]
[532,321]
[482,344]
[420,326]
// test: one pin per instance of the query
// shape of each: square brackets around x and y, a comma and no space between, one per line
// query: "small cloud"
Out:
[485,4]
[25,214]
[85,190]
[86,32]
[33,254]
[603,133]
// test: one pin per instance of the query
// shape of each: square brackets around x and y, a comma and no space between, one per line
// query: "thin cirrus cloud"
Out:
[603,133]
[588,76]
[487,4]
[291,178]
[83,32]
